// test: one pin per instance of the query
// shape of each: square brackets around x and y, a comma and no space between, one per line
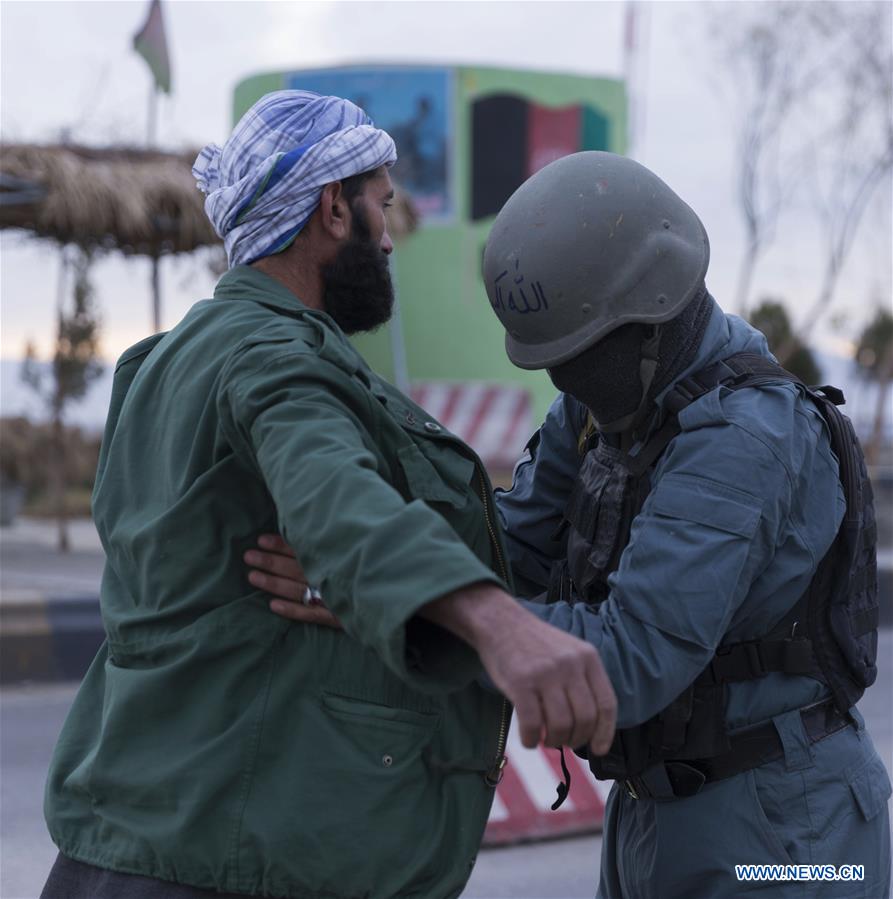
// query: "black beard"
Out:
[358,293]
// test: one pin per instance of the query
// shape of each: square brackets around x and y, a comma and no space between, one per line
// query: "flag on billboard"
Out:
[512,138]
[151,43]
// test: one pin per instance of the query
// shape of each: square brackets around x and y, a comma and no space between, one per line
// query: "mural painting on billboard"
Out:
[414,105]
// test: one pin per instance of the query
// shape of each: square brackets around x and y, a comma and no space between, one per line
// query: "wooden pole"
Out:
[61,284]
[150,142]
[57,434]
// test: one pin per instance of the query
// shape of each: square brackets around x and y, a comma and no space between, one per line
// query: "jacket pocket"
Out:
[774,842]
[446,483]
[387,743]
[359,777]
[360,711]
[871,788]
[705,502]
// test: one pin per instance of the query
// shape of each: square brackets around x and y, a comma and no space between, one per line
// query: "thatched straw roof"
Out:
[134,201]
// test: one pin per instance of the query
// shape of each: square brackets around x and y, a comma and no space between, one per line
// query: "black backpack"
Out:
[832,631]
[830,634]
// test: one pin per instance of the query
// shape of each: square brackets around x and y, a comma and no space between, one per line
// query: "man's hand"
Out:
[276,570]
[557,684]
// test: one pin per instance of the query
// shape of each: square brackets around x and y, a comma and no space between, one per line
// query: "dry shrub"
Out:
[26,456]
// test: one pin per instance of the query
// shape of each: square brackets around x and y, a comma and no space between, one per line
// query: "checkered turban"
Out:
[266,181]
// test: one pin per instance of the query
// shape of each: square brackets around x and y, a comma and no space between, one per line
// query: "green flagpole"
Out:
[151,43]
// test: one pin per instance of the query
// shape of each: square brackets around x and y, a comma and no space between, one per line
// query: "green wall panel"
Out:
[450,332]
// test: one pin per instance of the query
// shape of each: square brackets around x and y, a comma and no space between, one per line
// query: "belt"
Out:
[748,749]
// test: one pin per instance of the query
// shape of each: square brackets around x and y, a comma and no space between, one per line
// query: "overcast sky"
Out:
[70,66]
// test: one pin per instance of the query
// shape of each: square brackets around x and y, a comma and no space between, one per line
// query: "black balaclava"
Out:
[608,377]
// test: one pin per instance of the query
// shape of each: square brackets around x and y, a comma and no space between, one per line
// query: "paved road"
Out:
[30,718]
[31,566]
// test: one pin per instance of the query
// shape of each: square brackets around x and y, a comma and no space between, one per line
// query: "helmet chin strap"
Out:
[647,369]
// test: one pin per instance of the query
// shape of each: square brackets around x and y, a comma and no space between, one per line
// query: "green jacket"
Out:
[215,744]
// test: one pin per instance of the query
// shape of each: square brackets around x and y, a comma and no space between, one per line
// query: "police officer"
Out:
[683,510]
[677,523]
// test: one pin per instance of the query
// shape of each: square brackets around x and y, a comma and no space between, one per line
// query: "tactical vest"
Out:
[830,634]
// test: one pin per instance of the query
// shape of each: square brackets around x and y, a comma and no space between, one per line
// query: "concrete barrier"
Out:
[48,638]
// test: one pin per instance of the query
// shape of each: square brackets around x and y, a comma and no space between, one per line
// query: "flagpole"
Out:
[153,114]
[151,43]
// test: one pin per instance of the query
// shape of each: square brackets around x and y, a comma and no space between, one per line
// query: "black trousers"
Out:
[74,880]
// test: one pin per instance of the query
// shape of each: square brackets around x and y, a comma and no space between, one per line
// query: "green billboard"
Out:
[466,138]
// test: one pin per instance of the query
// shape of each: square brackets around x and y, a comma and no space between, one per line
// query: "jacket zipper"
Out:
[494,774]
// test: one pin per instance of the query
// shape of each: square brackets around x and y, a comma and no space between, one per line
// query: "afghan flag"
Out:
[151,43]
[512,138]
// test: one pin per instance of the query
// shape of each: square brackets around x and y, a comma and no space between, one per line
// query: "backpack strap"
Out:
[740,370]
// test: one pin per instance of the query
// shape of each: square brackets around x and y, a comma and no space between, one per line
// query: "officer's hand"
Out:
[275,569]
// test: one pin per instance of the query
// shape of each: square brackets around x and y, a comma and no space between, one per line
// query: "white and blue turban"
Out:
[266,181]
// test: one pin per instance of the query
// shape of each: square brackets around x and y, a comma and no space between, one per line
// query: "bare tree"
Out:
[75,365]
[771,67]
[812,85]
[853,156]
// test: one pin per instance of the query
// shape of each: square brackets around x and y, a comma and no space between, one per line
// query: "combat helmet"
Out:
[591,242]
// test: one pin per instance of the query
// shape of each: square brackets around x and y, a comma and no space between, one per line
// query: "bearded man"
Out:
[213,747]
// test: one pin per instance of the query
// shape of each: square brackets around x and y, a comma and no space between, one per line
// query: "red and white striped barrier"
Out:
[494,419]
[522,807]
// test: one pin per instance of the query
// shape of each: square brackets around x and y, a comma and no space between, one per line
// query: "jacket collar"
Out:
[724,336]
[245,283]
